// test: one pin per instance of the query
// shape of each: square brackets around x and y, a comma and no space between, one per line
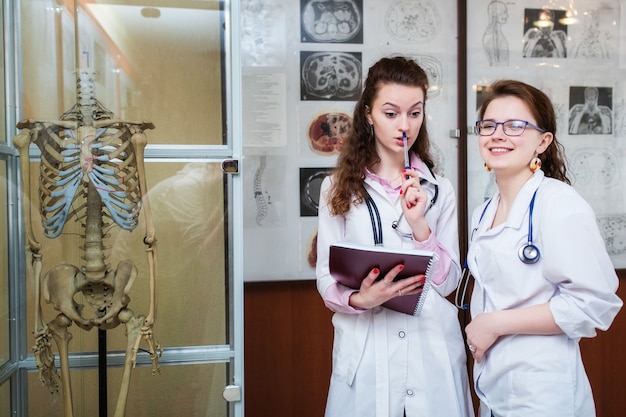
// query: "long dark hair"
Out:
[359,150]
[553,162]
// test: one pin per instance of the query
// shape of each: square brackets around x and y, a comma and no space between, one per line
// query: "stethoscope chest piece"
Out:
[529,253]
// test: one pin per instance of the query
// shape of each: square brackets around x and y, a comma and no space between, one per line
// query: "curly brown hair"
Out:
[359,151]
[553,162]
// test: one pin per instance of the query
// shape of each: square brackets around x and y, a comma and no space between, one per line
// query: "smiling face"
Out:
[511,155]
[396,109]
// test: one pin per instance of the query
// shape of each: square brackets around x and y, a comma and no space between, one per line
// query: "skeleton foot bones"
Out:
[92,170]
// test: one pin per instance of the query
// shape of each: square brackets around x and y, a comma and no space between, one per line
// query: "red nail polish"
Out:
[400,192]
[401,267]
[376,271]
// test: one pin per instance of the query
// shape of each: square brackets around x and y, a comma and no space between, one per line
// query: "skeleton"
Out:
[92,170]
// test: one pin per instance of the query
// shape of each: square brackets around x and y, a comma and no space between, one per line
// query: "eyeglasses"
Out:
[512,127]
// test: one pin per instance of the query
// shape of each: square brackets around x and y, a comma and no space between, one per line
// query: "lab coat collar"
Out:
[416,164]
[517,216]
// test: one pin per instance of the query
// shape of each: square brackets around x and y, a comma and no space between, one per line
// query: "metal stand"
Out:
[102,372]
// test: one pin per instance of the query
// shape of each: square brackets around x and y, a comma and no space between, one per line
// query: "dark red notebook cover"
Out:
[349,265]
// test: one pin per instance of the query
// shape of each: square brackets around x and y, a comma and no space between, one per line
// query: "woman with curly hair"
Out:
[388,363]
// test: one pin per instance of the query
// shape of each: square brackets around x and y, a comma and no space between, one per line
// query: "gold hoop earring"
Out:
[535,164]
[487,167]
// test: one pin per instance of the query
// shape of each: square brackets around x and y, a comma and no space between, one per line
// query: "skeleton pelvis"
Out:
[106,297]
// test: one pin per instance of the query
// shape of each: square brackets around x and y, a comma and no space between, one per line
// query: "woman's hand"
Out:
[414,203]
[481,334]
[485,329]
[374,293]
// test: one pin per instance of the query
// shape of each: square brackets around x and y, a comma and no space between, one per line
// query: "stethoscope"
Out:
[377,228]
[528,253]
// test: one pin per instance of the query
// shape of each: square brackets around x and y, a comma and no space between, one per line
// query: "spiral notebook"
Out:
[350,263]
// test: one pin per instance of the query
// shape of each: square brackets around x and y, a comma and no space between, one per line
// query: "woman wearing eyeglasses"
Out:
[543,278]
[387,363]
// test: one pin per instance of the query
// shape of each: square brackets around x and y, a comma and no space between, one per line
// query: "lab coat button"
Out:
[401,334]
[409,392]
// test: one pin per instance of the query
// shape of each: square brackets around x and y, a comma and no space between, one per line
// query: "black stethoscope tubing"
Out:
[528,253]
[377,226]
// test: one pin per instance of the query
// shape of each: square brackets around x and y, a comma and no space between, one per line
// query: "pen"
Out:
[406,152]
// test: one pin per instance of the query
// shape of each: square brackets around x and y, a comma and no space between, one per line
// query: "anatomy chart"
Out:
[299,97]
[569,50]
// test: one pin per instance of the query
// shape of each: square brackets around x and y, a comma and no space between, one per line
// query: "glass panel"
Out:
[187,204]
[5,398]
[163,65]
[185,390]
[187,201]
[150,63]
[4,265]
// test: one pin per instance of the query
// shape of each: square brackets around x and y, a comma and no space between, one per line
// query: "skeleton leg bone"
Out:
[135,331]
[58,328]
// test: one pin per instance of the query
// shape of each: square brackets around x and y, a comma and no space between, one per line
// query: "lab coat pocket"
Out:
[541,393]
[350,336]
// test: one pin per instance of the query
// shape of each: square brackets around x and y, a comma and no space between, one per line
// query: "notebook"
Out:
[350,263]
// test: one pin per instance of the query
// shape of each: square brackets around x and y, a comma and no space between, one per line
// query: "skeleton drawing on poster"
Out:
[413,20]
[262,33]
[494,41]
[595,40]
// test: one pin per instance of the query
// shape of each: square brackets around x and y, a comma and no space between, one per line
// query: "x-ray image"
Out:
[332,21]
[544,36]
[310,183]
[330,75]
[591,111]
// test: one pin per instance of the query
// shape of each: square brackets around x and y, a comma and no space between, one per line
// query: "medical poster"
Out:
[570,51]
[299,95]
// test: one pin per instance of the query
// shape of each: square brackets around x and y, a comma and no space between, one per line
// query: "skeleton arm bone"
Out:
[30,123]
[22,143]
[143,125]
[34,267]
[140,141]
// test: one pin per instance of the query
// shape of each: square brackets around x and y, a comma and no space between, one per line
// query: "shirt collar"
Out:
[416,164]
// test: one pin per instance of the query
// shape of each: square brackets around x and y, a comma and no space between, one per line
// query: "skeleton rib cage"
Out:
[107,159]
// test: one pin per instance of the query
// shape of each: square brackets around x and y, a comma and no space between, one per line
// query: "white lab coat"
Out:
[383,361]
[534,375]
